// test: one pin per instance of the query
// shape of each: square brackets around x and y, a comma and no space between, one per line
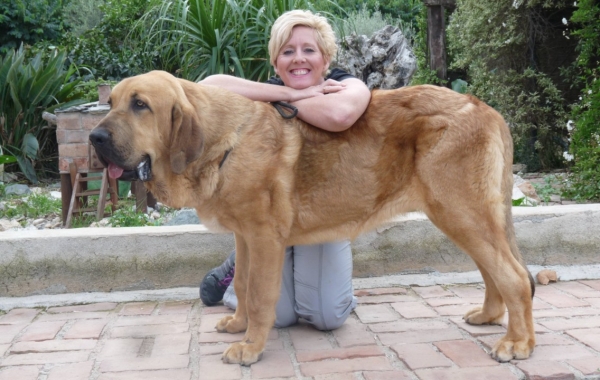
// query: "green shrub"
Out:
[423,74]
[27,88]
[32,206]
[585,136]
[496,44]
[106,50]
[88,90]
[403,11]
[83,15]
[29,21]
[367,22]
[552,186]
[197,38]
[128,217]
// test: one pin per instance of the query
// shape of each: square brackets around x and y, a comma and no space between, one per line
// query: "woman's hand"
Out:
[329,86]
[339,110]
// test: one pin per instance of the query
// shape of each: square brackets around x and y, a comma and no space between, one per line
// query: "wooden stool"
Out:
[80,193]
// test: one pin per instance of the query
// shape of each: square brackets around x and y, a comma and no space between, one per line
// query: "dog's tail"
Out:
[507,188]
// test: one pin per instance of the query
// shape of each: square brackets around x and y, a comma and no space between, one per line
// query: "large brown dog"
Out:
[277,182]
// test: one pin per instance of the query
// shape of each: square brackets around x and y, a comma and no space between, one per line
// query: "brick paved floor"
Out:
[394,333]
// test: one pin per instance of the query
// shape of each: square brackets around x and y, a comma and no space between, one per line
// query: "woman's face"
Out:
[300,63]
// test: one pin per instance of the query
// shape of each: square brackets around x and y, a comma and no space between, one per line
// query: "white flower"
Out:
[567,156]
[570,125]
[575,3]
[590,92]
[564,21]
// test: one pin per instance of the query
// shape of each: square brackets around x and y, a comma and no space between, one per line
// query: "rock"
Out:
[6,224]
[528,189]
[385,60]
[519,168]
[38,222]
[184,216]
[524,189]
[17,189]
[8,177]
[517,180]
[545,276]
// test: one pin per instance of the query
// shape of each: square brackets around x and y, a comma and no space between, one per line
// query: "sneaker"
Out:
[216,281]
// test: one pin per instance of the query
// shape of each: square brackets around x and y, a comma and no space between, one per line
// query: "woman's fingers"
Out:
[332,89]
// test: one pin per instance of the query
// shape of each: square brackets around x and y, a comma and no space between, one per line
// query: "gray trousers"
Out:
[316,286]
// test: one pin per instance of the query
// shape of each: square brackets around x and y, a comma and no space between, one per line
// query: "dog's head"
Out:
[151,122]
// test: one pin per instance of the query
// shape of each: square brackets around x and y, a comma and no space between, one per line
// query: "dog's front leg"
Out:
[239,320]
[257,285]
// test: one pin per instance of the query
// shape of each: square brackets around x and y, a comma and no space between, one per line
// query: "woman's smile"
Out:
[300,63]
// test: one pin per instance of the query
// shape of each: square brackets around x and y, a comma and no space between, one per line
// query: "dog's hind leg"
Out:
[483,237]
[493,309]
[257,285]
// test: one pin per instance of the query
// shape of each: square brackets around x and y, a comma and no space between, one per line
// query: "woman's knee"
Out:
[329,323]
[286,319]
[332,316]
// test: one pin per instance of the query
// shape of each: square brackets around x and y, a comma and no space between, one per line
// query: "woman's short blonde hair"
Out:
[281,32]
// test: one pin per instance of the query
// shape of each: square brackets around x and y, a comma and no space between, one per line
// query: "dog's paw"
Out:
[242,353]
[506,349]
[231,325]
[478,316]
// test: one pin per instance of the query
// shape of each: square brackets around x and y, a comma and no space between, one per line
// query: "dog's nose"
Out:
[99,136]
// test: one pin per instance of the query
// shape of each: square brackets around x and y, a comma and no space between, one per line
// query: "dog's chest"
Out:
[213,224]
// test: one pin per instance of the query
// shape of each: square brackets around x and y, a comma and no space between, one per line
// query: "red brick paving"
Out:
[42,331]
[395,333]
[86,329]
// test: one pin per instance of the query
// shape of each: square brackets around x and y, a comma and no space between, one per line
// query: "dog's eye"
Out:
[140,104]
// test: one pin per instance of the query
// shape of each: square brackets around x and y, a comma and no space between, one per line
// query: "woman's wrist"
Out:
[291,94]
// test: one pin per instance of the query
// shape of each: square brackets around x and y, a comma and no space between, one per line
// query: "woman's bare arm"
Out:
[333,106]
[338,108]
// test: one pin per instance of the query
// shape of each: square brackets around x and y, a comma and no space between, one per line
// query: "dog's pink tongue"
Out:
[114,171]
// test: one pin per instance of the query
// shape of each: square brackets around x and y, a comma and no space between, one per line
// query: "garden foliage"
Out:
[197,38]
[27,88]
[585,123]
[497,45]
[29,21]
[106,50]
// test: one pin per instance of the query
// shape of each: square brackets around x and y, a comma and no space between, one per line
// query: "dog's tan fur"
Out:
[420,148]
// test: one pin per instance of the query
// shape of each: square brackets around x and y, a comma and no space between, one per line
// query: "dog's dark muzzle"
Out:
[101,140]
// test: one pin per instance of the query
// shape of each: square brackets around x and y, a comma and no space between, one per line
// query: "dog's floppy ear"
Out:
[186,137]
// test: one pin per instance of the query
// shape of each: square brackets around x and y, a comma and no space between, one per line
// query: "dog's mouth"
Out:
[142,172]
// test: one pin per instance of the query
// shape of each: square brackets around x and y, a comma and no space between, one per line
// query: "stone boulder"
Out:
[524,189]
[386,60]
[17,189]
[184,216]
